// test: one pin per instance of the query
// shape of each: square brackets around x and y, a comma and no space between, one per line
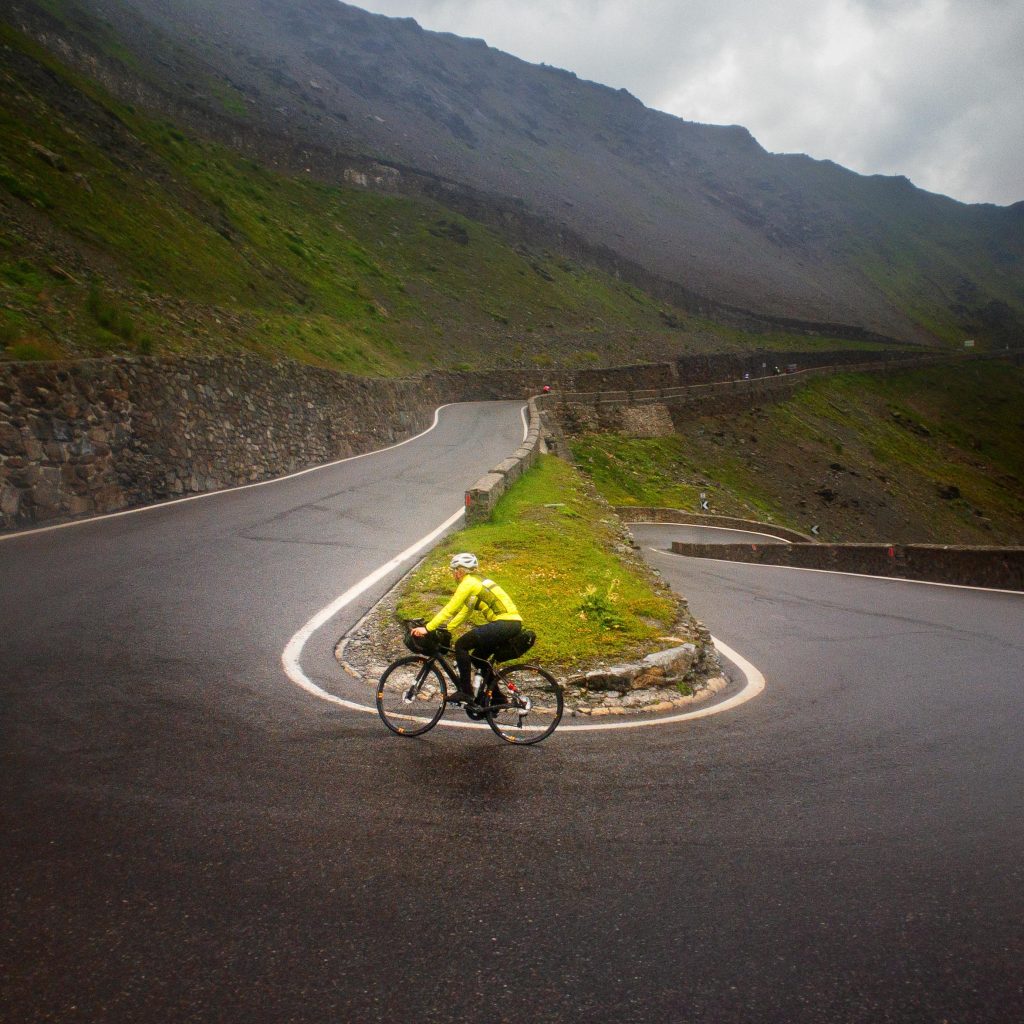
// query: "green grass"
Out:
[338,276]
[29,349]
[962,427]
[108,315]
[202,248]
[904,257]
[887,445]
[662,472]
[551,546]
[728,338]
[638,471]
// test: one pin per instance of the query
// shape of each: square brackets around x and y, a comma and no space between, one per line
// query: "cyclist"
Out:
[474,594]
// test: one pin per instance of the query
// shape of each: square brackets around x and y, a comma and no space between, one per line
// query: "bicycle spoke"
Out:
[526,704]
[411,696]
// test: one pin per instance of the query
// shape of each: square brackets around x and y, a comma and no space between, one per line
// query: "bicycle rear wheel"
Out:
[524,704]
[411,695]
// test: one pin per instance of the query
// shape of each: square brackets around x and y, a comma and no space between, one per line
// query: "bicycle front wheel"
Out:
[411,696]
[524,704]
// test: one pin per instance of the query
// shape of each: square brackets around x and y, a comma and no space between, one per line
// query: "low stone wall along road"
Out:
[188,836]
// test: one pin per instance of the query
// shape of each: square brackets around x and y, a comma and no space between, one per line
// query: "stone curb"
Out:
[484,494]
[1001,568]
[581,700]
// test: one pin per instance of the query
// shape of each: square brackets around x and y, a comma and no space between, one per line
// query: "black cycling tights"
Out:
[482,641]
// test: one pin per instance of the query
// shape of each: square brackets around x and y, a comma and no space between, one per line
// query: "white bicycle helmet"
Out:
[464,560]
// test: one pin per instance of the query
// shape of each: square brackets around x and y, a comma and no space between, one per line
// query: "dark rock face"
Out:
[698,211]
[101,435]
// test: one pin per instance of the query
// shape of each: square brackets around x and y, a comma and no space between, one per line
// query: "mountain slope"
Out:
[315,84]
[119,232]
[915,456]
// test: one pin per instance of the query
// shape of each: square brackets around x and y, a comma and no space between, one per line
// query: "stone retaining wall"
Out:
[712,367]
[746,390]
[98,436]
[102,435]
[643,411]
[95,436]
[1002,568]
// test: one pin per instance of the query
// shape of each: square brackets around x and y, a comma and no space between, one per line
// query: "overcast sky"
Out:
[933,89]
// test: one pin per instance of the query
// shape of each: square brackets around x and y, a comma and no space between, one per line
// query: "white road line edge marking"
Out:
[290,658]
[840,572]
[755,685]
[293,651]
[704,526]
[240,487]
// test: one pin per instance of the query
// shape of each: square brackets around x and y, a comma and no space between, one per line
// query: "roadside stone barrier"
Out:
[101,435]
[1001,568]
[95,436]
[655,411]
[487,491]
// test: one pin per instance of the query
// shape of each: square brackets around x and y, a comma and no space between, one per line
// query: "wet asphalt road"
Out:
[189,837]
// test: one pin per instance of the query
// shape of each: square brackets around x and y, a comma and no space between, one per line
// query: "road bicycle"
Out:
[523,704]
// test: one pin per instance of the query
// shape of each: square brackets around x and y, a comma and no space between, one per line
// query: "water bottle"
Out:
[477,682]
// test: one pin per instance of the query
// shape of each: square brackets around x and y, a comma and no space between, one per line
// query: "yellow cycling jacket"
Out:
[474,594]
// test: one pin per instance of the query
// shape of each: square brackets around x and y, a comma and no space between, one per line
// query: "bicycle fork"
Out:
[412,692]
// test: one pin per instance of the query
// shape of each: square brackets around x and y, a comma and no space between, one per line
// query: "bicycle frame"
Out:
[482,664]
[504,701]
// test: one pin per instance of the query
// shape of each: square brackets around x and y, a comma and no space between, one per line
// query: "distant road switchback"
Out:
[190,836]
